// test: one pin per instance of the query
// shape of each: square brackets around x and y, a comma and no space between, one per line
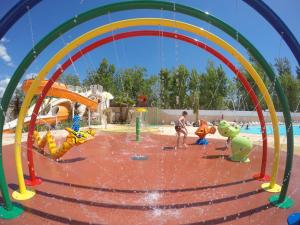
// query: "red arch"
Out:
[33,180]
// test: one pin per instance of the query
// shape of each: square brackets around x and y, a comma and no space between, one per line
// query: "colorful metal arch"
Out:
[277,23]
[14,14]
[155,5]
[32,178]
[25,194]
[10,210]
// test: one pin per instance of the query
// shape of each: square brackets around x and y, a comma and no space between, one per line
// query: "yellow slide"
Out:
[74,138]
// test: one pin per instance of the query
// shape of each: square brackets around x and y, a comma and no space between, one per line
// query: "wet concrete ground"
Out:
[99,183]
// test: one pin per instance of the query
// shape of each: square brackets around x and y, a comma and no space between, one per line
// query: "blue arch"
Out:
[281,28]
[14,14]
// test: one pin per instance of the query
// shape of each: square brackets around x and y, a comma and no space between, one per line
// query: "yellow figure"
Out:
[73,138]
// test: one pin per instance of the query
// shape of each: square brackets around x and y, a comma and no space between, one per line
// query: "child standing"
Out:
[180,127]
[76,121]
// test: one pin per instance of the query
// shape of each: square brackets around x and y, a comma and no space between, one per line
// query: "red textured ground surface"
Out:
[99,183]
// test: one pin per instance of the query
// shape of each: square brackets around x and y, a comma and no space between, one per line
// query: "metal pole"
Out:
[72,104]
[89,117]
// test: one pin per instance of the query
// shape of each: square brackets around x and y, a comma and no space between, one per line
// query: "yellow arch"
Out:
[26,194]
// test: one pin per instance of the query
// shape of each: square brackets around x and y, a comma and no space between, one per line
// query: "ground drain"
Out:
[139,157]
[168,148]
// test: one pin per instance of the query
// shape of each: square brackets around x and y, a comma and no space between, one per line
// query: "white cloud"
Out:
[4,40]
[4,54]
[3,85]
[4,82]
[30,76]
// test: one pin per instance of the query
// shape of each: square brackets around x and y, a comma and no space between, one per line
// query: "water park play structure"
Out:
[202,131]
[11,210]
[60,107]
[74,138]
[240,146]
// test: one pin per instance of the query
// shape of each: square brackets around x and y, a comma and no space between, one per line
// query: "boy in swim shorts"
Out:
[180,127]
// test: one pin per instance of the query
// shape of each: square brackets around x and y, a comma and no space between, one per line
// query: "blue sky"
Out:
[149,52]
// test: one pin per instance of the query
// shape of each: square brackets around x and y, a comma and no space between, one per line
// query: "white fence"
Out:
[168,115]
[165,116]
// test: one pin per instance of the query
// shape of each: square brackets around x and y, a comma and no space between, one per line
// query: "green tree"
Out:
[194,89]
[132,81]
[104,76]
[244,100]
[298,72]
[232,97]
[165,88]
[70,79]
[290,84]
[123,101]
[16,102]
[179,83]
[213,87]
[283,66]
[150,88]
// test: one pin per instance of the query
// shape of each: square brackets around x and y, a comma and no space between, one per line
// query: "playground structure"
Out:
[139,111]
[281,201]
[202,131]
[74,138]
[240,146]
[60,105]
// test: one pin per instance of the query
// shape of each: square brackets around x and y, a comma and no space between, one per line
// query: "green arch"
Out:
[147,4]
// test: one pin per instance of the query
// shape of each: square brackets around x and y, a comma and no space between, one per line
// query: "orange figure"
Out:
[202,131]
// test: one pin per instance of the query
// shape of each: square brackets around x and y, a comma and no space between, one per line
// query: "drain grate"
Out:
[168,148]
[139,157]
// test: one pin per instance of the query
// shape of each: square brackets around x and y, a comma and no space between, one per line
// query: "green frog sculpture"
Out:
[240,146]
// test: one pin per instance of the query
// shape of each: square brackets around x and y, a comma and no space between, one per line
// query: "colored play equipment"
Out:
[90,98]
[187,27]
[202,131]
[149,22]
[59,112]
[138,122]
[240,146]
[11,210]
[65,65]
[74,138]
[59,90]
[294,219]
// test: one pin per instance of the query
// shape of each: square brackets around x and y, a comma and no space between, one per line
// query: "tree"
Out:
[244,98]
[289,83]
[298,72]
[213,87]
[132,81]
[291,89]
[283,66]
[123,101]
[16,102]
[70,79]
[232,98]
[104,76]
[165,87]
[194,89]
[179,83]
[150,88]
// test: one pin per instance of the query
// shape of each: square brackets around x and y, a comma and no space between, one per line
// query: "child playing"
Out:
[181,128]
